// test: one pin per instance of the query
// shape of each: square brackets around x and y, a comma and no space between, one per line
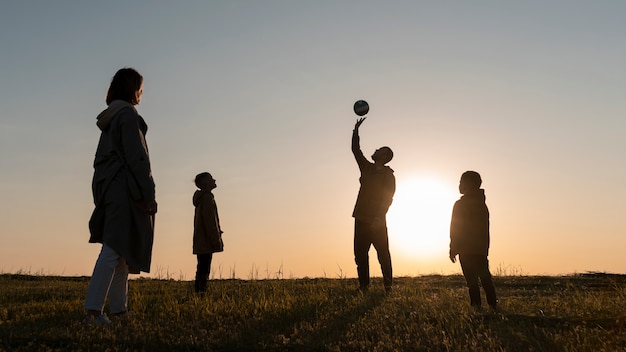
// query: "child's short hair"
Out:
[471,179]
[200,177]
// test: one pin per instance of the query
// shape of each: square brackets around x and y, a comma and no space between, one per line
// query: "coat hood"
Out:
[106,116]
[477,195]
[199,194]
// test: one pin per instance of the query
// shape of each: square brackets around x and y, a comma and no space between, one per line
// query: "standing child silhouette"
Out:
[207,233]
[469,238]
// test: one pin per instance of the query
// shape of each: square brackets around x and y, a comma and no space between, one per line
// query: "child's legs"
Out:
[101,278]
[470,266]
[487,282]
[118,295]
[202,270]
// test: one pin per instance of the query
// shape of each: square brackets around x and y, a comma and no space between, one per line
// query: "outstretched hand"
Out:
[359,122]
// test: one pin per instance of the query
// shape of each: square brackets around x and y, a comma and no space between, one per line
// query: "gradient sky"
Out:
[259,93]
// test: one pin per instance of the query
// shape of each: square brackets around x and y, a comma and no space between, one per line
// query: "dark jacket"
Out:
[377,187]
[469,227]
[207,234]
[122,177]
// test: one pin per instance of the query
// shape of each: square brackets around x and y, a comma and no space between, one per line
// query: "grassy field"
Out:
[426,313]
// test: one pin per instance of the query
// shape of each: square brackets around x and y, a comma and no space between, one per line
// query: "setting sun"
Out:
[419,218]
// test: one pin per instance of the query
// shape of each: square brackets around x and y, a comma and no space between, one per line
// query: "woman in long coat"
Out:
[124,195]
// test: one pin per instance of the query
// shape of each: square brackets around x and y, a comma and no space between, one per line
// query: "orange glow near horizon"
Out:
[419,218]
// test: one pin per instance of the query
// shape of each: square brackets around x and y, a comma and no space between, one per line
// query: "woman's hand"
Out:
[149,206]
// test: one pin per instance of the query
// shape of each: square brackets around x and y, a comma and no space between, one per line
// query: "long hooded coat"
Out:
[123,177]
[207,233]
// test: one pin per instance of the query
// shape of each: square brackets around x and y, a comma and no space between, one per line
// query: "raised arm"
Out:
[356,147]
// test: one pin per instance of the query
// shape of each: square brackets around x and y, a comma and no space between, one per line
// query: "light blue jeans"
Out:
[109,278]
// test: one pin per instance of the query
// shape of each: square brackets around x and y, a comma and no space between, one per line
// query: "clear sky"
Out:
[531,94]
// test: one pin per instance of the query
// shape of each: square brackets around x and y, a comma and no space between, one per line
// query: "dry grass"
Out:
[427,313]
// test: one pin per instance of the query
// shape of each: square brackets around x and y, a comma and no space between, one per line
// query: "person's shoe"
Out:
[362,290]
[101,320]
[494,308]
[388,290]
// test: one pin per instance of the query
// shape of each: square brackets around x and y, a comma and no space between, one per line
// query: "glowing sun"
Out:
[419,218]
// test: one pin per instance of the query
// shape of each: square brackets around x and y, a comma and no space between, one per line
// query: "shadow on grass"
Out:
[308,327]
[526,332]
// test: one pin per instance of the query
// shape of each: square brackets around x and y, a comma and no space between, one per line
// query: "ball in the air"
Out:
[361,107]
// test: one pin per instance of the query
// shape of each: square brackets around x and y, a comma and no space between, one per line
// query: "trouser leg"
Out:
[118,294]
[470,272]
[362,243]
[202,271]
[381,244]
[474,293]
[487,283]
[101,279]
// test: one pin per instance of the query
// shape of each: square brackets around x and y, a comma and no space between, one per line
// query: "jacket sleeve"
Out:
[210,221]
[455,228]
[135,151]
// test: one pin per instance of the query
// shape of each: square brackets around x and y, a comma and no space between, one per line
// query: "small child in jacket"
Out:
[469,238]
[207,234]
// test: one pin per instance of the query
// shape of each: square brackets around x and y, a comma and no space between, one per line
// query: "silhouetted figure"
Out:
[207,234]
[469,238]
[124,195]
[378,184]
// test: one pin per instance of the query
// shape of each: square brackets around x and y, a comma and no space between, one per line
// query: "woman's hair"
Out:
[124,86]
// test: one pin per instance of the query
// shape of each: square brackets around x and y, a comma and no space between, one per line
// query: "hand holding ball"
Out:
[361,107]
